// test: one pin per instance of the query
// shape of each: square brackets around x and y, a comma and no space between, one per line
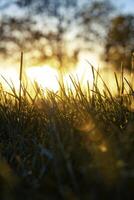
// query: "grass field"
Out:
[68,146]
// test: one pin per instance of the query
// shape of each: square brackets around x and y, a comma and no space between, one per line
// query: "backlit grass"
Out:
[69,145]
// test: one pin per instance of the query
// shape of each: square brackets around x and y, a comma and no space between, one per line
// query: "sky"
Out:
[125,5]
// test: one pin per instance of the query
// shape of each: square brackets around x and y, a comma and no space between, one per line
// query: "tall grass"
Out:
[76,146]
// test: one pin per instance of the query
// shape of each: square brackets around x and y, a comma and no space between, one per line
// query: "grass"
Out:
[78,145]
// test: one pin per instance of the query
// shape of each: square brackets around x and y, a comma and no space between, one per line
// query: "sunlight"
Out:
[82,73]
[45,76]
[48,77]
[11,76]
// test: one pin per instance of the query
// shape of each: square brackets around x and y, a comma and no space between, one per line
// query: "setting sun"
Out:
[45,76]
[48,77]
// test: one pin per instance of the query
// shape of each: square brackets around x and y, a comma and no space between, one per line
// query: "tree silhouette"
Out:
[53,31]
[120,41]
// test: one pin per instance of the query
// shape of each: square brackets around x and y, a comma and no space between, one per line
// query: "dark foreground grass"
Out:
[70,146]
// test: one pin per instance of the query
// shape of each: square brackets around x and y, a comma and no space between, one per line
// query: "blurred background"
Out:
[64,33]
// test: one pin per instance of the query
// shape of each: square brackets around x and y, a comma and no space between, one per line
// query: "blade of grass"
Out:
[117,83]
[20,78]
[107,89]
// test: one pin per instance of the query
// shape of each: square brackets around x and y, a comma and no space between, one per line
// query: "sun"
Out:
[48,78]
[45,76]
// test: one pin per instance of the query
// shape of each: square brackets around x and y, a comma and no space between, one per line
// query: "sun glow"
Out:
[82,73]
[48,77]
[45,76]
[9,76]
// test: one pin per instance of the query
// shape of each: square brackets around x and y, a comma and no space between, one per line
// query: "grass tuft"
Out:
[78,145]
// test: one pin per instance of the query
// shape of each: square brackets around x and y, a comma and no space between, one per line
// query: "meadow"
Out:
[69,145]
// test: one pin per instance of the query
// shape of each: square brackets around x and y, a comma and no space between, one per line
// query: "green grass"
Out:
[70,146]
